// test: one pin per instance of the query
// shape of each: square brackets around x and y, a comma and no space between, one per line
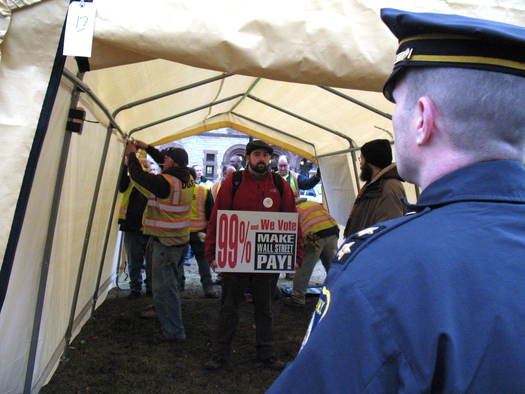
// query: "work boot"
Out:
[289,302]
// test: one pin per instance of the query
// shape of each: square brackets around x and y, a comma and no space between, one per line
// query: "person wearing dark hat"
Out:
[380,198]
[435,301]
[258,190]
[167,220]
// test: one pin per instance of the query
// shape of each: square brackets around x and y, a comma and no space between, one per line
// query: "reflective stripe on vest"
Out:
[198,208]
[170,217]
[313,217]
[215,188]
[123,211]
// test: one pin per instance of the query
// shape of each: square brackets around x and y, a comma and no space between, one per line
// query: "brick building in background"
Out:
[213,149]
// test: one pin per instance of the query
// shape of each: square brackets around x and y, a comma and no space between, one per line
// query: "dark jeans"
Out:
[135,244]
[234,285]
[167,262]
[204,268]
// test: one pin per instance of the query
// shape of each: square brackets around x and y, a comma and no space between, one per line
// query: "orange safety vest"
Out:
[313,217]
[215,188]
[171,216]
[198,208]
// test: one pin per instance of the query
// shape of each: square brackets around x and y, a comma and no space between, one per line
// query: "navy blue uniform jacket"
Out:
[431,302]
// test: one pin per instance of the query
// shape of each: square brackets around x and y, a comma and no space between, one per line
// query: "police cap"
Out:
[443,40]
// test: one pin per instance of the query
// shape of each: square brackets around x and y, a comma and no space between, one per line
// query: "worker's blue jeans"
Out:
[135,245]
[204,268]
[167,268]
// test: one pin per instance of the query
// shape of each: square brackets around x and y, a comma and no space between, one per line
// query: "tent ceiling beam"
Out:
[171,92]
[350,142]
[335,153]
[355,101]
[185,113]
[94,97]
[246,94]
[273,128]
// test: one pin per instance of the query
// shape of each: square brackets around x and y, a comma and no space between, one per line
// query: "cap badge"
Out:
[406,54]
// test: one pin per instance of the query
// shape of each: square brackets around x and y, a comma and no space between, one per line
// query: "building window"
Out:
[210,164]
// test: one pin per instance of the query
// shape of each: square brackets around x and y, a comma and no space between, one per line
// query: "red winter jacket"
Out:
[249,197]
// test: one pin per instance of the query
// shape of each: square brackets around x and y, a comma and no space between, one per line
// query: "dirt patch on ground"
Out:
[115,351]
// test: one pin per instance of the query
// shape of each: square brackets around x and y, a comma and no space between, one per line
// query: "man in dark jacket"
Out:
[296,181]
[130,219]
[167,219]
[380,198]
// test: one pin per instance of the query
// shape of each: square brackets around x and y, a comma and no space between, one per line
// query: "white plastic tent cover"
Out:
[301,74]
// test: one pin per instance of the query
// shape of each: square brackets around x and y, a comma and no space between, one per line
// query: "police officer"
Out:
[435,301]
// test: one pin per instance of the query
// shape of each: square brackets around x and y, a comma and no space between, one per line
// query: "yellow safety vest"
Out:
[198,208]
[314,218]
[293,183]
[171,216]
[123,211]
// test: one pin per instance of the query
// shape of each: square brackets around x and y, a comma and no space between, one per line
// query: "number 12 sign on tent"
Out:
[249,241]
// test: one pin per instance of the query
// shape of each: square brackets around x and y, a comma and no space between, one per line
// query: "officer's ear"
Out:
[426,116]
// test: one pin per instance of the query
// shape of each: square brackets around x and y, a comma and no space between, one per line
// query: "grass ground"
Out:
[115,351]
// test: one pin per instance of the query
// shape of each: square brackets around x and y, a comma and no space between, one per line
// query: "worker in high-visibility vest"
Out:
[201,209]
[296,181]
[167,219]
[227,170]
[201,179]
[320,235]
[131,212]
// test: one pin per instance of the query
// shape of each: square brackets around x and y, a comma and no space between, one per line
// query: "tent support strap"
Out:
[48,248]
[41,132]
[106,240]
[87,236]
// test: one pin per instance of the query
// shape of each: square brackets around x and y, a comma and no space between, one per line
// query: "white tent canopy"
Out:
[304,75]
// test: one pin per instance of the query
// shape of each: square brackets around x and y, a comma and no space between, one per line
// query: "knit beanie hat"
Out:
[377,153]
[179,155]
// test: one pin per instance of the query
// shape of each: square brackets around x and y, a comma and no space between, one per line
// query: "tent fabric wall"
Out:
[69,247]
[306,74]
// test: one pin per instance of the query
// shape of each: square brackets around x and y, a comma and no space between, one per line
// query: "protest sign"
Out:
[249,241]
